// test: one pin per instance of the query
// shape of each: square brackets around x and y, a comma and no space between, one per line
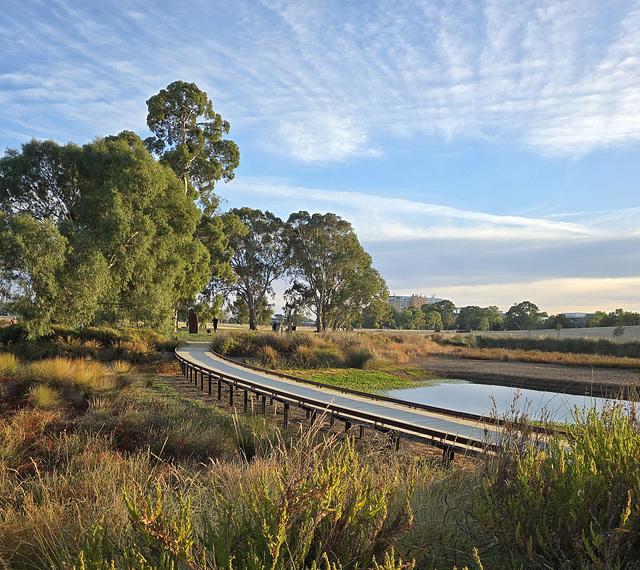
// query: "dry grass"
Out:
[8,364]
[540,357]
[63,470]
[304,350]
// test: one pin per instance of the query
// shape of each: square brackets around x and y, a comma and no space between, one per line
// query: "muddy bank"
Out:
[602,382]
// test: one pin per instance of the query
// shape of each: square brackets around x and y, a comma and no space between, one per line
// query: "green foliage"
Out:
[357,358]
[447,310]
[39,180]
[259,258]
[227,346]
[332,274]
[524,316]
[329,504]
[616,318]
[32,255]
[327,357]
[571,503]
[116,242]
[479,318]
[102,343]
[188,137]
[373,381]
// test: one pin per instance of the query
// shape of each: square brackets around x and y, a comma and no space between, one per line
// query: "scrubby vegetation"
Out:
[327,350]
[600,346]
[103,343]
[101,465]
[569,503]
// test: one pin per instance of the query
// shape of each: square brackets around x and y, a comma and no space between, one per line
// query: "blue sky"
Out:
[484,151]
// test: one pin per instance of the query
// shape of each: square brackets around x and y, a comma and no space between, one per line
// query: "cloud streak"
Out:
[378,218]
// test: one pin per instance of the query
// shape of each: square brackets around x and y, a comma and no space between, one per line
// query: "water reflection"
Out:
[465,396]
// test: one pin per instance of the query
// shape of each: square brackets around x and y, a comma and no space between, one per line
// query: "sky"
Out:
[485,151]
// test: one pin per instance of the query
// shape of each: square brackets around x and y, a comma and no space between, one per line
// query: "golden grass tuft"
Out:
[9,364]
[46,397]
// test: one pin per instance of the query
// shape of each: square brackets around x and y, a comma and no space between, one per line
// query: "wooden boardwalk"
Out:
[446,429]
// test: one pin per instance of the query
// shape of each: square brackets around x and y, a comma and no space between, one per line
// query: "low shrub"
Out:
[571,502]
[268,356]
[12,334]
[227,346]
[327,357]
[358,358]
[304,357]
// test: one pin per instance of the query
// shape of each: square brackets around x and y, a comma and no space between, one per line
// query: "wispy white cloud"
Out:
[332,80]
[378,218]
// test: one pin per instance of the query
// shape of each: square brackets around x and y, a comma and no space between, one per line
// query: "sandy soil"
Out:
[607,382]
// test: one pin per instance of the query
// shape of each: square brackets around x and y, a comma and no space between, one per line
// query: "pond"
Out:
[475,398]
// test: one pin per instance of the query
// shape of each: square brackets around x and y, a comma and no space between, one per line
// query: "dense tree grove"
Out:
[122,230]
[109,237]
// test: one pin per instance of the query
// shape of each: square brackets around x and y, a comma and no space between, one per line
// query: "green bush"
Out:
[329,506]
[12,334]
[571,502]
[358,358]
[228,346]
[327,357]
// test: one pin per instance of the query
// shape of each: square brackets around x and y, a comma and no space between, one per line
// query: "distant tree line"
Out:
[521,316]
[122,230]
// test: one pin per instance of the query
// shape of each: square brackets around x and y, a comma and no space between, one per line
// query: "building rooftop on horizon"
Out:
[403,302]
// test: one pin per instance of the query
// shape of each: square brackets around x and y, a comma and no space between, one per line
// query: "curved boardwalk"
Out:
[445,430]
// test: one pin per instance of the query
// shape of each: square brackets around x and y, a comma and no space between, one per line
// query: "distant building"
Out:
[579,320]
[403,302]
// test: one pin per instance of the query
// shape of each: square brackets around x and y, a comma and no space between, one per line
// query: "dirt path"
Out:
[607,382]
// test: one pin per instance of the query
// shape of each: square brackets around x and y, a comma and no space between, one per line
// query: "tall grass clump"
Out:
[9,364]
[46,398]
[573,502]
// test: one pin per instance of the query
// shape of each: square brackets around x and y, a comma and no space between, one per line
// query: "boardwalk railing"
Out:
[213,380]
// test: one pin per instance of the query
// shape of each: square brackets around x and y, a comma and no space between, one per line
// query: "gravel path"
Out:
[607,382]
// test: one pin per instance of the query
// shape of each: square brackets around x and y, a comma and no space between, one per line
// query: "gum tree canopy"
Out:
[97,234]
[332,274]
[259,258]
[188,137]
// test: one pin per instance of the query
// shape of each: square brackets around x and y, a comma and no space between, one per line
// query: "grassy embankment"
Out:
[100,463]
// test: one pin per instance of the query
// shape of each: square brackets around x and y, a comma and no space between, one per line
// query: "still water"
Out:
[465,396]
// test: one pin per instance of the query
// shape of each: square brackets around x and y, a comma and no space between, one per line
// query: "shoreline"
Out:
[580,381]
